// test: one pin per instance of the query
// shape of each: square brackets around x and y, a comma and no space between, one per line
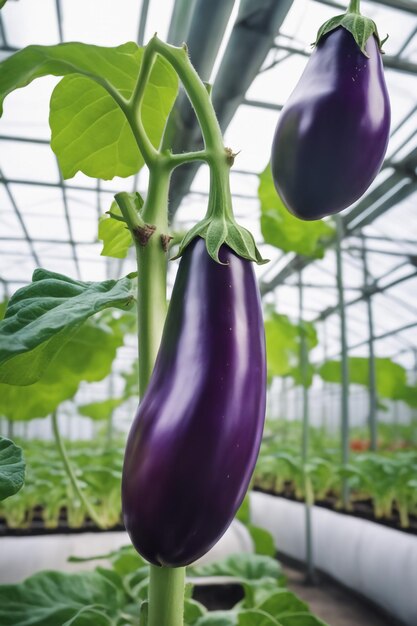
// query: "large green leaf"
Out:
[54,598]
[242,566]
[12,468]
[283,345]
[282,602]
[42,317]
[391,378]
[87,356]
[283,230]
[90,132]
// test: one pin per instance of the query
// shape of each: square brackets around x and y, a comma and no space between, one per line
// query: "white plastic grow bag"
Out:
[21,557]
[376,561]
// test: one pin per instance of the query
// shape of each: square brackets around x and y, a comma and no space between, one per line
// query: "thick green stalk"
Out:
[166,596]
[70,472]
[152,270]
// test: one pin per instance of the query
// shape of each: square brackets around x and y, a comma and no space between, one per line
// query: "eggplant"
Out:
[333,132]
[194,442]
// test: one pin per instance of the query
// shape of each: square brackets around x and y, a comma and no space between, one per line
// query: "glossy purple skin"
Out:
[194,442]
[333,132]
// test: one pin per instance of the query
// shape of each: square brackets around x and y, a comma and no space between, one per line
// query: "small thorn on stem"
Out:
[185,47]
[165,241]
[230,156]
[142,234]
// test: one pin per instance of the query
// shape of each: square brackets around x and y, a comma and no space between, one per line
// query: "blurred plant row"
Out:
[387,479]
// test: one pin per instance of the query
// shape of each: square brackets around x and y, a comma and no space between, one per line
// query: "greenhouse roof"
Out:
[46,221]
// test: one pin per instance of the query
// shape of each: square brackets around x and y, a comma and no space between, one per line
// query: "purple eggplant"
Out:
[194,442]
[332,134]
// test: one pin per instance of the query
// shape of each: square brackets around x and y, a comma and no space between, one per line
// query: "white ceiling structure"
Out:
[53,223]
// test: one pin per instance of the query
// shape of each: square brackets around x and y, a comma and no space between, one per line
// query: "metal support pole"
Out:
[373,402]
[324,395]
[345,363]
[413,413]
[305,441]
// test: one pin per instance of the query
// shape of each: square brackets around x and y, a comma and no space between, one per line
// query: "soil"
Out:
[360,508]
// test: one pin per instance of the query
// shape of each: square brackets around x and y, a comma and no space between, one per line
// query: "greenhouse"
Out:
[208,313]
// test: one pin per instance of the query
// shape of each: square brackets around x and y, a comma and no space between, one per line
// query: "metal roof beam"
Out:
[252,36]
[390,62]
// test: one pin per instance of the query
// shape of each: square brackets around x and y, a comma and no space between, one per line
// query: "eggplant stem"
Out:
[354,7]
[166,596]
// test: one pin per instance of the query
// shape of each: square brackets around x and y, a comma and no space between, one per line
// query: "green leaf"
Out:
[255,617]
[193,611]
[12,468]
[283,230]
[53,598]
[87,356]
[100,410]
[89,616]
[391,378]
[243,566]
[90,132]
[218,618]
[301,619]
[243,513]
[263,540]
[44,315]
[3,307]
[113,231]
[283,345]
[282,602]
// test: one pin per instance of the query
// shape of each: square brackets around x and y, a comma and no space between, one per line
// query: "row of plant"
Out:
[49,497]
[49,500]
[388,479]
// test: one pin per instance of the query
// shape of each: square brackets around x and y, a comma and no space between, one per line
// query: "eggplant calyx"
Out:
[217,231]
[360,27]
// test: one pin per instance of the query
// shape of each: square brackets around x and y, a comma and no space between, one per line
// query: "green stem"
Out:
[197,94]
[166,596]
[133,109]
[70,472]
[152,270]
[354,7]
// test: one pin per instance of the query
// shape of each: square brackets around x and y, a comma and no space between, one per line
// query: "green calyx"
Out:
[219,230]
[360,27]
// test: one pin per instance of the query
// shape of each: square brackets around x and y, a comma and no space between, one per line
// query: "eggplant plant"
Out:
[212,354]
